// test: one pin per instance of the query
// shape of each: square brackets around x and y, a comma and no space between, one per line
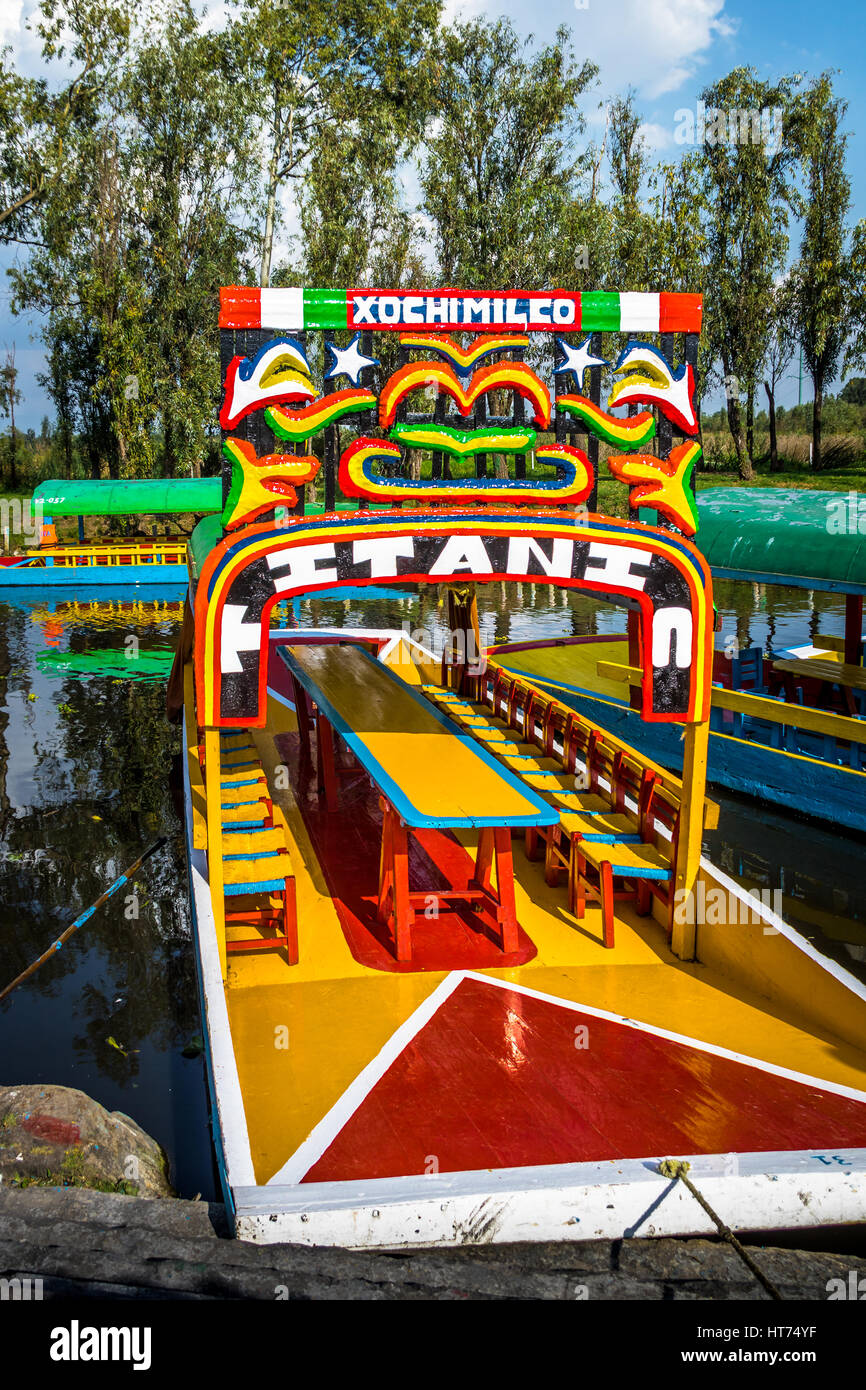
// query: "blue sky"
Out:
[666,49]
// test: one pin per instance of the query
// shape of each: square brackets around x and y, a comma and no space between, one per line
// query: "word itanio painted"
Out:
[242,580]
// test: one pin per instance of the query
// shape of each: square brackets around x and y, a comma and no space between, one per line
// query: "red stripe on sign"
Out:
[499,1079]
[680,313]
[240,307]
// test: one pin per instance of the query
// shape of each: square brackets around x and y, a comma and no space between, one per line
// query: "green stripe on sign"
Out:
[599,309]
[325,309]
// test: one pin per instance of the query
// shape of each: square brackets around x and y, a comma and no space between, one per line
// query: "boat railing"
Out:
[538,712]
[799,729]
[98,556]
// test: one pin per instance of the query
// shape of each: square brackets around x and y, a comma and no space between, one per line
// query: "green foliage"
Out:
[824,278]
[501,177]
[747,193]
[854,391]
[161,157]
[312,76]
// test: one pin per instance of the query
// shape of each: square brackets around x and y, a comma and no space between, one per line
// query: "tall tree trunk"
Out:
[771,410]
[270,217]
[167,447]
[95,461]
[750,423]
[67,447]
[13,470]
[122,453]
[735,425]
[817,411]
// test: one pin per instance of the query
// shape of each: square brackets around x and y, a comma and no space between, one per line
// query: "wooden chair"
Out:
[256,867]
[646,867]
[599,816]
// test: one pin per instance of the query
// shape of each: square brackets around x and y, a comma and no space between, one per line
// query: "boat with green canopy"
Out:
[114,565]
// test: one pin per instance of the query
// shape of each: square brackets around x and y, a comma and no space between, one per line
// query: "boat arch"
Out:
[663,576]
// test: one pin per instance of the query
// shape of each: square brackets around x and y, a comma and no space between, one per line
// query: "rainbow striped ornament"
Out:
[632,433]
[358,479]
[297,425]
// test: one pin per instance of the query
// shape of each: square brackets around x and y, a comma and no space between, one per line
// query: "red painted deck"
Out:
[499,1079]
[347,843]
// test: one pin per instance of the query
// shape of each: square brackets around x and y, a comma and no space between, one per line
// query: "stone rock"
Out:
[59,1137]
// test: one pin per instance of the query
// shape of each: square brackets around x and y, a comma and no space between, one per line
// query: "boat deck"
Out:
[572,666]
[352,1065]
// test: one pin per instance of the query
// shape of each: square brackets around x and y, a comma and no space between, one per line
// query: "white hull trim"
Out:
[581,1201]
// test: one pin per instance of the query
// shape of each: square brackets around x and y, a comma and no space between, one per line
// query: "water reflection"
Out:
[84,773]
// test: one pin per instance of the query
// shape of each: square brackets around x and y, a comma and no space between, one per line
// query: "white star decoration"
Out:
[576,360]
[348,361]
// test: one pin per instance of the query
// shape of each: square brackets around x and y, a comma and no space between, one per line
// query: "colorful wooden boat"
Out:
[115,565]
[465,975]
[769,735]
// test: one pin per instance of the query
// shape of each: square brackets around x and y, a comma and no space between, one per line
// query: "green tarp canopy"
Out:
[130,497]
[809,539]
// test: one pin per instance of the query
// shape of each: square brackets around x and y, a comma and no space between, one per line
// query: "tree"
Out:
[135,244]
[192,165]
[10,396]
[303,67]
[38,125]
[747,192]
[501,178]
[57,381]
[854,391]
[823,281]
[631,266]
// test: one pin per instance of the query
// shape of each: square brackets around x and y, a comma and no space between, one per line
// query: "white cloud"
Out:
[464,10]
[655,136]
[11,20]
[652,45]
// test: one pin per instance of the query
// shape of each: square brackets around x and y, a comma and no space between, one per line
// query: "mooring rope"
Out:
[84,917]
[678,1168]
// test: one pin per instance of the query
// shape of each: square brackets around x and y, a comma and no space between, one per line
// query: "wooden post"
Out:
[215,840]
[691,829]
[853,628]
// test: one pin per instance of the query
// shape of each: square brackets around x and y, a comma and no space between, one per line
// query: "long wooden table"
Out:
[847,678]
[430,774]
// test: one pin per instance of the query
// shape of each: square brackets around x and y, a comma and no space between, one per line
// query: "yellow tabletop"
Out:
[836,672]
[432,772]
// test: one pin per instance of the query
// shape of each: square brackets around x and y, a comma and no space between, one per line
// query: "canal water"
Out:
[88,765]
